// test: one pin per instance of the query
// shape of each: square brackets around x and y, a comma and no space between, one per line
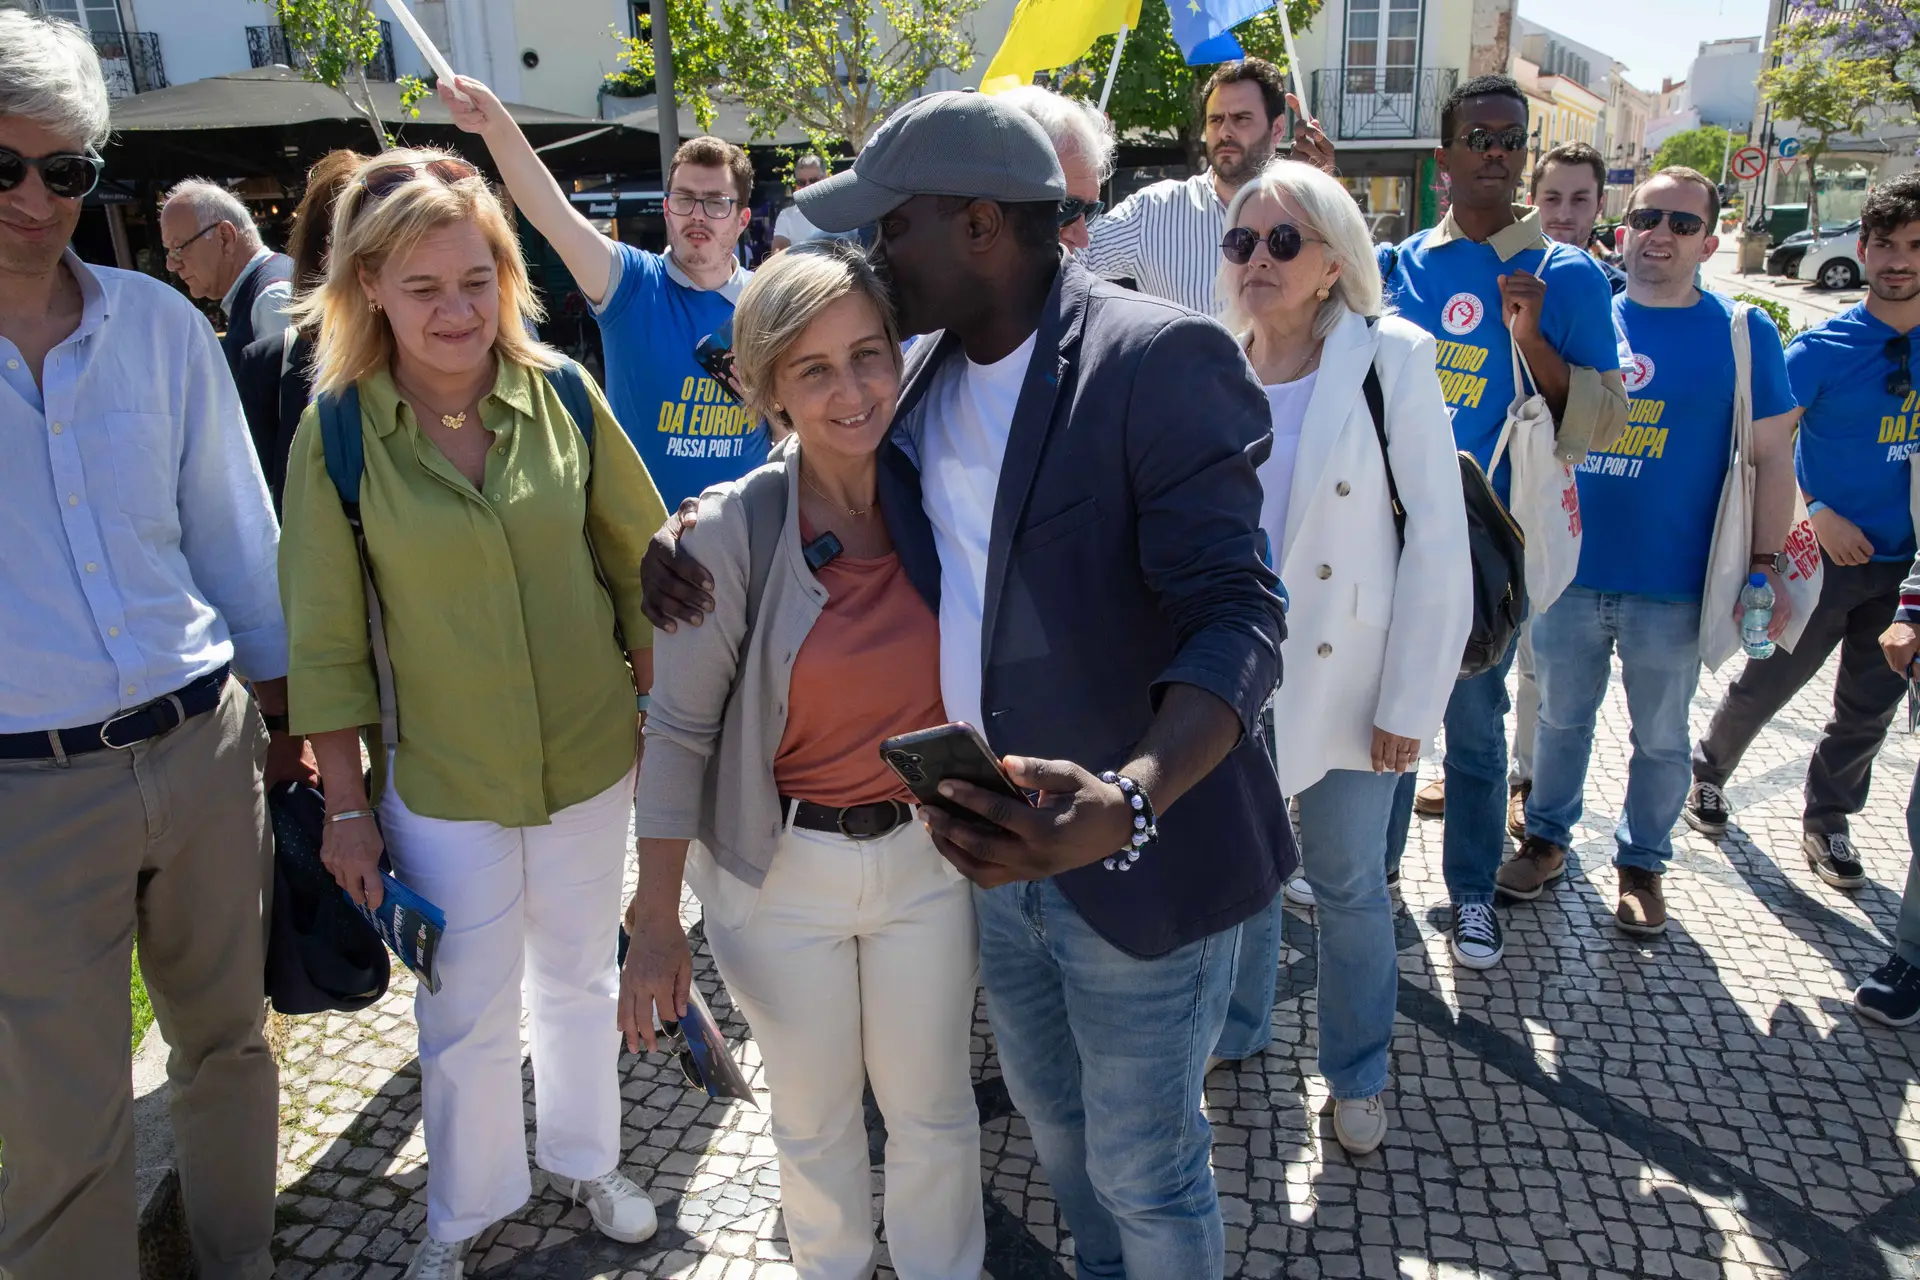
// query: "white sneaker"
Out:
[620,1209]
[1360,1124]
[438,1260]
[1299,892]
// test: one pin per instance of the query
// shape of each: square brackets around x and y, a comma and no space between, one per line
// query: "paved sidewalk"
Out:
[1704,1105]
[1808,306]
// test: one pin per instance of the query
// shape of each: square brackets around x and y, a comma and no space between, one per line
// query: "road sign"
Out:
[1784,165]
[1747,163]
[1620,177]
[1789,148]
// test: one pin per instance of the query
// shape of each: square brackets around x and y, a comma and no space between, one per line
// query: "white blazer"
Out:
[1374,635]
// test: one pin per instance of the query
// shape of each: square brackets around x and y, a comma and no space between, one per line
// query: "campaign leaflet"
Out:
[720,1073]
[411,927]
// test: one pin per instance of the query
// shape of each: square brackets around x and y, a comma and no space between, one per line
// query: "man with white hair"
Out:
[1083,140]
[215,249]
[791,227]
[137,560]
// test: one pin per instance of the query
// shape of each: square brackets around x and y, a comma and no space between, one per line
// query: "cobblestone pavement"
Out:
[1704,1105]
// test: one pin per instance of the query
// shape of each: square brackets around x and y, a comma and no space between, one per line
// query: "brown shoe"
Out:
[1643,908]
[1430,801]
[1517,809]
[1538,864]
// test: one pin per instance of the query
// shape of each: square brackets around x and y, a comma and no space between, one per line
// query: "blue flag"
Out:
[1204,28]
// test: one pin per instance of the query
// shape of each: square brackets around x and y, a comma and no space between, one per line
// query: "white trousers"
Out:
[859,963]
[533,904]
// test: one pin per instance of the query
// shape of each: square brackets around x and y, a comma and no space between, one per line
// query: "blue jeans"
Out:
[1343,840]
[1573,645]
[1906,933]
[1476,771]
[1256,973]
[1103,1054]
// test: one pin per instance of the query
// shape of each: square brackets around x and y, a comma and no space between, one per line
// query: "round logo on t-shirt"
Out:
[1462,314]
[1638,373]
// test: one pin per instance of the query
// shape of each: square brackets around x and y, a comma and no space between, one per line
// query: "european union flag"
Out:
[1204,28]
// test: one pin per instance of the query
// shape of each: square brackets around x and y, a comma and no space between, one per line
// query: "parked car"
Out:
[1784,257]
[1832,263]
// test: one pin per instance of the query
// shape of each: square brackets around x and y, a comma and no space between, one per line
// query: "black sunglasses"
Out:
[1900,351]
[1683,224]
[1074,207]
[1283,242]
[1478,138]
[66,175]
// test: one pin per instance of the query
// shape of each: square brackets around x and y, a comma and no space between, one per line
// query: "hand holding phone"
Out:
[926,758]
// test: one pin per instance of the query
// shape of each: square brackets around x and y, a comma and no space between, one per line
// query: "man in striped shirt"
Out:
[1166,237]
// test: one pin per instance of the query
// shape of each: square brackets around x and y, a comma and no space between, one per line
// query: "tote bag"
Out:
[1544,499]
[1729,561]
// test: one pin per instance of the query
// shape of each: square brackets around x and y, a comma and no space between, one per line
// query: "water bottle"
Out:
[1756,615]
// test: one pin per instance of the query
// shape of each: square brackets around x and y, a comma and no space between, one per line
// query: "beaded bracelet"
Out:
[1146,827]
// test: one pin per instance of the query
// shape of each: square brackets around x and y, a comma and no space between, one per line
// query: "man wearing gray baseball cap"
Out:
[1070,477]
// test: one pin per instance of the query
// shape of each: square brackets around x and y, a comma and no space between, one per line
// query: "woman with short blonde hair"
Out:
[494,538]
[844,937]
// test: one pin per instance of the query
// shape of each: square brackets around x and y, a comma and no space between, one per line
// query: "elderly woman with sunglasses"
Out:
[1377,615]
[502,542]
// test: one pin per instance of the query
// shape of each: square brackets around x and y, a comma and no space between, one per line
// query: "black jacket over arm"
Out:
[272,402]
[1125,557]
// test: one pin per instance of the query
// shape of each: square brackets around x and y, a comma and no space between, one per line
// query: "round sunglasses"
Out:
[1681,222]
[1283,242]
[65,175]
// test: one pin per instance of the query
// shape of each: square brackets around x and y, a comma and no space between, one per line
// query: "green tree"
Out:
[830,68]
[1155,91]
[1704,149]
[330,42]
[1830,96]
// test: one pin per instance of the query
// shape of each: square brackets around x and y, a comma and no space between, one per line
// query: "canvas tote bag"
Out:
[1729,561]
[1544,499]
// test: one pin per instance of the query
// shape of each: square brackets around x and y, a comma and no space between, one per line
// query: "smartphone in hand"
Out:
[927,757]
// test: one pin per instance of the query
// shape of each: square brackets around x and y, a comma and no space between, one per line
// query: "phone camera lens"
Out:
[908,765]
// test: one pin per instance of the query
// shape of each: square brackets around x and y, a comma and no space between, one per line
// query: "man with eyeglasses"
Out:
[653,308]
[215,248]
[792,227]
[1649,503]
[137,563]
[1484,279]
[1854,375]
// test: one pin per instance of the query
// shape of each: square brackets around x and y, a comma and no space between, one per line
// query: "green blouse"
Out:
[515,699]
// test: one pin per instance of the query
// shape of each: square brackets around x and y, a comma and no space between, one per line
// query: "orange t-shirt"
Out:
[869,669]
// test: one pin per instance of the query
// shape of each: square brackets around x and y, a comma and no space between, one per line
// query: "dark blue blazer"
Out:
[1125,557]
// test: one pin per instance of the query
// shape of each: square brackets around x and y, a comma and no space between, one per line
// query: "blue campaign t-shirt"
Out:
[1453,292]
[688,432]
[1855,436]
[1648,503]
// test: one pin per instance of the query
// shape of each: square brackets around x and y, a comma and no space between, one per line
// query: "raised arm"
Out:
[587,253]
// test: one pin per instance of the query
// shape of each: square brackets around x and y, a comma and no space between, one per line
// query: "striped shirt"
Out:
[1166,239]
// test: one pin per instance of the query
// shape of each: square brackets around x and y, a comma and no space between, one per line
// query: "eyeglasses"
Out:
[1512,138]
[1283,242]
[675,1042]
[1683,224]
[1900,351]
[67,176]
[682,203]
[389,178]
[177,251]
[1073,208]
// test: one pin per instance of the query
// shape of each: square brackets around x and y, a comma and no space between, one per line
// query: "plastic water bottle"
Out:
[1756,615]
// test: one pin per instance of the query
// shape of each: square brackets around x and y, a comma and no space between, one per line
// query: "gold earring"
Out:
[1323,293]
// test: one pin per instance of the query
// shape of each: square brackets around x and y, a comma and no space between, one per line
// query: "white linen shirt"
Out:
[137,541]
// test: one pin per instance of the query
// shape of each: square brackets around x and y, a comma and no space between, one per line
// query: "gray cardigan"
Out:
[719,706]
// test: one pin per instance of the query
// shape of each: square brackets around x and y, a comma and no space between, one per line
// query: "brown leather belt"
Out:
[856,822]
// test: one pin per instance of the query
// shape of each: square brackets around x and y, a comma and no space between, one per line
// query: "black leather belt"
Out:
[119,732]
[856,822]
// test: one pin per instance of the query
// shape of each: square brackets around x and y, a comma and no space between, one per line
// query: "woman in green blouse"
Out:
[504,541]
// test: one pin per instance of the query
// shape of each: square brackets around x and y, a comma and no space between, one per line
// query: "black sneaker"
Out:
[1891,995]
[1706,810]
[1833,860]
[1477,942]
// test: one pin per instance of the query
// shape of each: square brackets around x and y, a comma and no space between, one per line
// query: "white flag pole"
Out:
[1113,65]
[428,50]
[1293,56]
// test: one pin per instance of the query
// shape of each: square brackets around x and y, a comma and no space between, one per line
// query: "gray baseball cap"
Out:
[956,143]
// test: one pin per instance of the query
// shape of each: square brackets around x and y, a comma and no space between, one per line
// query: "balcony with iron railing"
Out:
[130,62]
[267,47]
[1382,104]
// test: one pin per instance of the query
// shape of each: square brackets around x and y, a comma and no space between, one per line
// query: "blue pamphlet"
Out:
[411,927]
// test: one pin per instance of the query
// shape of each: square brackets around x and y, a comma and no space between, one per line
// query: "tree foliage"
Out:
[1703,149]
[831,68]
[1882,34]
[331,42]
[1831,94]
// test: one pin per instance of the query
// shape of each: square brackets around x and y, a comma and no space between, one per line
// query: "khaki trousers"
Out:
[170,839]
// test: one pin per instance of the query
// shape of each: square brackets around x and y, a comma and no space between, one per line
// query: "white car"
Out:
[1832,263]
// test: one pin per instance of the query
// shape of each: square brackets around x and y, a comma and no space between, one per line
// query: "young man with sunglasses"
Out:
[1483,279]
[1648,507]
[137,562]
[653,308]
[1854,375]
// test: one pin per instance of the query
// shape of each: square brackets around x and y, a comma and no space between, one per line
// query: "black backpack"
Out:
[1498,548]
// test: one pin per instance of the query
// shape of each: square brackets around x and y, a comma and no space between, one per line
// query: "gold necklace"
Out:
[852,511]
[453,421]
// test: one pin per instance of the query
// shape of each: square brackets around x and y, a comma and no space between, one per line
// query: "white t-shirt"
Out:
[793,225]
[1288,403]
[969,416]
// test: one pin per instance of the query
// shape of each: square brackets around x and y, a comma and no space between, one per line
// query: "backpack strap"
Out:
[765,493]
[1377,410]
[570,381]
[342,441]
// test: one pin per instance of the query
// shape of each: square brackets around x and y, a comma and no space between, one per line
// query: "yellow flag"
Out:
[1046,34]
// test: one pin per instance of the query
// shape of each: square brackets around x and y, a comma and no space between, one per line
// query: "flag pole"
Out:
[1113,65]
[1293,56]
